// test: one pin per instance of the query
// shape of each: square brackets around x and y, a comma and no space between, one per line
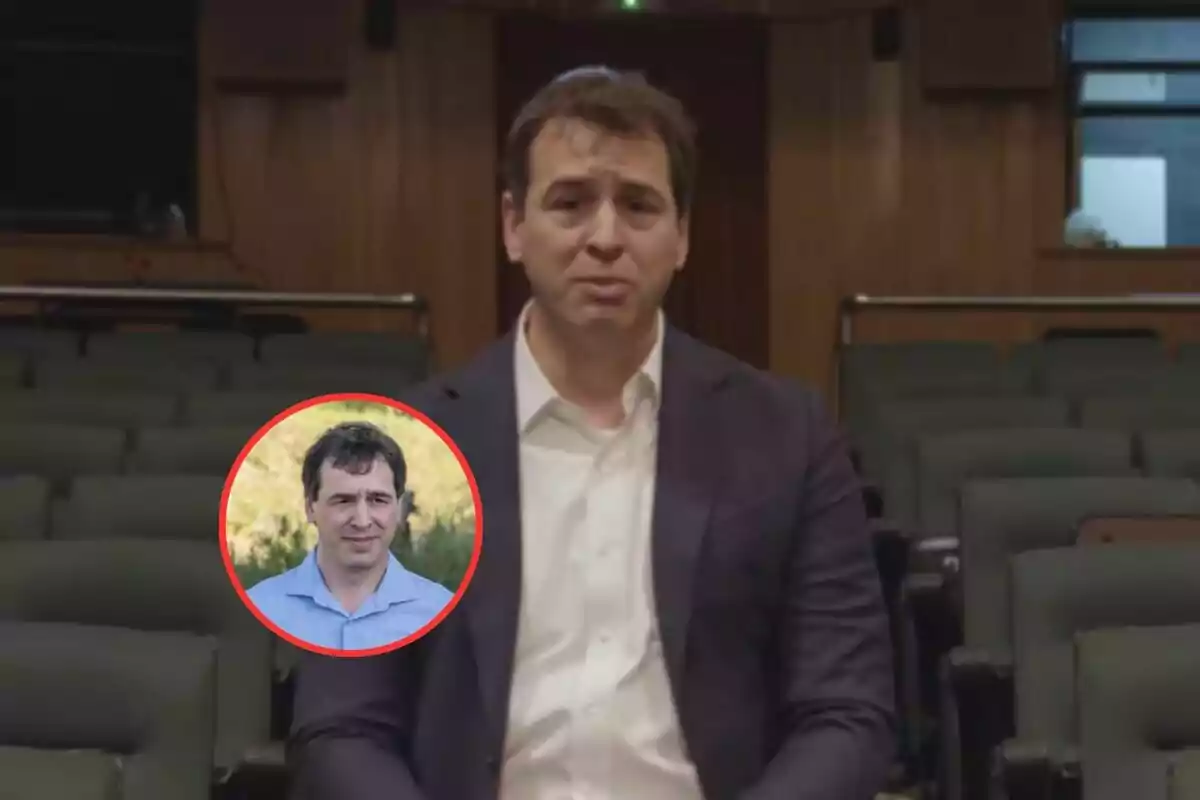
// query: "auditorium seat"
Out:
[58,451]
[1047,357]
[24,507]
[139,507]
[34,773]
[127,376]
[249,408]
[1174,454]
[888,451]
[1079,381]
[12,371]
[1058,594]
[945,461]
[39,342]
[153,586]
[1141,413]
[408,355]
[319,379]
[136,702]
[208,450]
[999,519]
[1139,711]
[127,409]
[169,347]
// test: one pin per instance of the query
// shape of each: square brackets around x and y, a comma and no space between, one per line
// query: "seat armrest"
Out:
[981,682]
[261,773]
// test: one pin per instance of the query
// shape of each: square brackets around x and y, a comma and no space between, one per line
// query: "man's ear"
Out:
[681,250]
[308,512]
[404,505]
[512,217]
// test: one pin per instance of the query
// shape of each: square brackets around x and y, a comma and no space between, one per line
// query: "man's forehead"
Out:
[574,150]
[339,480]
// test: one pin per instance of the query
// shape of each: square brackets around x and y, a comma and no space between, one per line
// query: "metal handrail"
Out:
[94,294]
[1132,302]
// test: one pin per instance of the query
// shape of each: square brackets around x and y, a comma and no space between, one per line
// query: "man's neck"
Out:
[351,588]
[588,370]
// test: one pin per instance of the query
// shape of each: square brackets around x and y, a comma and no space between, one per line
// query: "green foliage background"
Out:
[265,525]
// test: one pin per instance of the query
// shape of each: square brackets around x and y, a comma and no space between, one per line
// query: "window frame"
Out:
[1075,111]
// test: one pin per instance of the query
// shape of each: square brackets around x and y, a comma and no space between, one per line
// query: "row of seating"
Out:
[138,409]
[130,668]
[988,469]
[216,347]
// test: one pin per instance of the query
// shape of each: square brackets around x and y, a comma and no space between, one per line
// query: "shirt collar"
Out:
[535,392]
[397,585]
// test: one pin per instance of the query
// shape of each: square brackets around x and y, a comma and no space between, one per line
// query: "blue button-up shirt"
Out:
[299,602]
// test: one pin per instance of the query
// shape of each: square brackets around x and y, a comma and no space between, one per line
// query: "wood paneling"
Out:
[280,45]
[718,70]
[387,188]
[876,188]
[980,44]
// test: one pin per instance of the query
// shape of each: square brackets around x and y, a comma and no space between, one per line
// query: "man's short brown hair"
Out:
[616,102]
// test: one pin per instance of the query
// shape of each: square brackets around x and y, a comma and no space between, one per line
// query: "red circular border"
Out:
[359,398]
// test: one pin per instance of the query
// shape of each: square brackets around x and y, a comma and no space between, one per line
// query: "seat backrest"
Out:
[1077,381]
[1172,453]
[1135,530]
[95,407]
[146,696]
[24,507]
[406,354]
[1139,705]
[889,453]
[32,773]
[1003,517]
[139,507]
[1060,592]
[38,342]
[12,371]
[1104,352]
[1140,413]
[208,450]
[124,375]
[320,378]
[152,586]
[171,347]
[59,451]
[944,461]
[255,408]
[1185,776]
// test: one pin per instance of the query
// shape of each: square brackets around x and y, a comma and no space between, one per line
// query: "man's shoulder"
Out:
[273,590]
[773,397]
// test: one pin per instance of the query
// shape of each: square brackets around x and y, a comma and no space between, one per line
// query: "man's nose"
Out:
[362,515]
[605,233]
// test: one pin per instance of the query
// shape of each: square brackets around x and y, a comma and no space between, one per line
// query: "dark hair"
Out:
[353,447]
[618,102]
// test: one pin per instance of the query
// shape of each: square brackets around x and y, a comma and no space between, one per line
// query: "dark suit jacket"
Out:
[767,597]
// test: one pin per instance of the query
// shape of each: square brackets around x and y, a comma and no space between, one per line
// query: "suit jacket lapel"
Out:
[485,428]
[689,464]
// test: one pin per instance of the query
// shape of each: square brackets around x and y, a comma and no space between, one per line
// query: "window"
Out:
[1135,98]
[98,113]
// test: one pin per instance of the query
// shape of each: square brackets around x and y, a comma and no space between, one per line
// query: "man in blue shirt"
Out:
[350,592]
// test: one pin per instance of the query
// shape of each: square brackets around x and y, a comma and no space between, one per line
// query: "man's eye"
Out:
[566,204]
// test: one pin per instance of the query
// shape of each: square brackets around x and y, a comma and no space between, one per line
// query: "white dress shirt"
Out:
[591,715]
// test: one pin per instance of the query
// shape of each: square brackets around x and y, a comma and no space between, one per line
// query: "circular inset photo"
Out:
[350,525]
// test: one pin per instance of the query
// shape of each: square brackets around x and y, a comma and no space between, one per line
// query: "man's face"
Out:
[356,515]
[599,233]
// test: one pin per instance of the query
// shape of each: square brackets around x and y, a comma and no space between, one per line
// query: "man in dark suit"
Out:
[676,596]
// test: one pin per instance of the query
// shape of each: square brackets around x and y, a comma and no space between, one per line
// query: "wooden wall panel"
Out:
[876,188]
[388,188]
